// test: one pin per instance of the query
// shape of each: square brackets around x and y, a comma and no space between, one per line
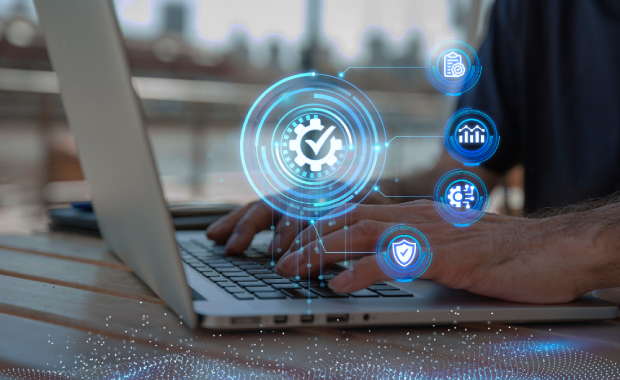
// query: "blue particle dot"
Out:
[320,277]
[297,277]
[309,301]
[273,227]
[288,223]
[272,263]
[345,263]
[309,312]
[322,284]
[396,180]
[309,265]
[340,75]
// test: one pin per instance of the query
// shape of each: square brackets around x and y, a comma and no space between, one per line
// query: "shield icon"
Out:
[404,251]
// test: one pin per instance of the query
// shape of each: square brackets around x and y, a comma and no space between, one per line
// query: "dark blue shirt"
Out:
[551,82]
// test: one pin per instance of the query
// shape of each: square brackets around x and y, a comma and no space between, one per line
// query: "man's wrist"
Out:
[588,245]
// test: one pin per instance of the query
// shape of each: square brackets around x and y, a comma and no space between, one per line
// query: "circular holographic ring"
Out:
[453,67]
[312,143]
[403,253]
[471,136]
[461,197]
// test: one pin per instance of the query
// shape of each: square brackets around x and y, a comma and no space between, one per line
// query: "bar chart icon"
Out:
[469,135]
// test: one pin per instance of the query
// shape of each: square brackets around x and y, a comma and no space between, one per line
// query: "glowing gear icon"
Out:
[462,196]
[315,164]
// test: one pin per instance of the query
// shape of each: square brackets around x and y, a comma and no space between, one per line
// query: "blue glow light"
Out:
[455,203]
[396,264]
[470,136]
[453,84]
[308,184]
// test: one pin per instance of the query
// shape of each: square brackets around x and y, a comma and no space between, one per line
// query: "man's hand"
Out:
[515,259]
[238,228]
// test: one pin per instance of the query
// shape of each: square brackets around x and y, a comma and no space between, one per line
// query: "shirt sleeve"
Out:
[497,92]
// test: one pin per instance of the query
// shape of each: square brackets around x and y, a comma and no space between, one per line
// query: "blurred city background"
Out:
[199,64]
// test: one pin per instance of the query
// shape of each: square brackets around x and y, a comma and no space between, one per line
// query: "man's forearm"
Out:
[590,237]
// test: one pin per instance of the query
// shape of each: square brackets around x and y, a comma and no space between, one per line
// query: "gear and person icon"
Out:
[462,196]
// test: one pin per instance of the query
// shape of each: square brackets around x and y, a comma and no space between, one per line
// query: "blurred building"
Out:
[197,67]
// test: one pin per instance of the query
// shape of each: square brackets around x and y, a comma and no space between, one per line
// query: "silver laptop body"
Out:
[85,46]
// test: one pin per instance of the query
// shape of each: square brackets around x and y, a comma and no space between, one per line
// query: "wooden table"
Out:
[67,303]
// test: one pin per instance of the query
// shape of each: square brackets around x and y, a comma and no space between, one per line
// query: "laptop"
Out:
[197,280]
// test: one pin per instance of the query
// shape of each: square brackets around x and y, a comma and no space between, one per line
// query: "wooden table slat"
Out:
[68,250]
[79,275]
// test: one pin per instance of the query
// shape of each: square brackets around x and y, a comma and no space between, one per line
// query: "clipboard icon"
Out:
[453,65]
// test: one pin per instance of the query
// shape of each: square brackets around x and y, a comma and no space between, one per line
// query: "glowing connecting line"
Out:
[380,67]
[403,196]
[322,246]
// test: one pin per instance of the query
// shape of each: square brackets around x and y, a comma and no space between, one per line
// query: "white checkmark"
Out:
[316,146]
[404,255]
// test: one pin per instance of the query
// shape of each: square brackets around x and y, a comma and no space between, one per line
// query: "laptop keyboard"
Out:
[252,277]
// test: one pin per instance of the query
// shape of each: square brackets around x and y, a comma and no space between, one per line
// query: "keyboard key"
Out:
[211,274]
[243,296]
[328,293]
[259,271]
[394,293]
[219,249]
[250,264]
[241,278]
[299,293]
[225,284]
[269,295]
[229,270]
[221,265]
[214,260]
[239,260]
[276,281]
[382,287]
[286,286]
[257,289]
[234,289]
[218,279]
[364,293]
[201,267]
[269,276]
[250,284]
[311,284]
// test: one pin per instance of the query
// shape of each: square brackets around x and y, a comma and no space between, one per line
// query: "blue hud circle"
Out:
[453,67]
[403,253]
[461,197]
[471,136]
[312,143]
